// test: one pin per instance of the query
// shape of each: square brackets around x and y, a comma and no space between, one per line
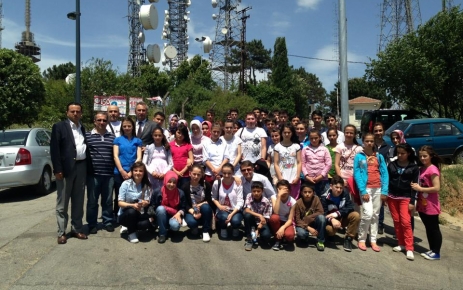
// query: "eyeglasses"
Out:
[102,120]
[246,169]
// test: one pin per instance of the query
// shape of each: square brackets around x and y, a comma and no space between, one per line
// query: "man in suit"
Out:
[144,127]
[68,155]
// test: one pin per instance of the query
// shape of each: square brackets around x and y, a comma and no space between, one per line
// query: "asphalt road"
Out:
[30,258]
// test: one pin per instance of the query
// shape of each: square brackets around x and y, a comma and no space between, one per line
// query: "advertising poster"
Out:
[101,103]
[132,104]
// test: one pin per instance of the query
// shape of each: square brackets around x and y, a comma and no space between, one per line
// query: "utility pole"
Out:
[244,17]
[343,63]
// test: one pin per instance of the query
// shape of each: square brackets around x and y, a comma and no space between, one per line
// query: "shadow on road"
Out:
[20,194]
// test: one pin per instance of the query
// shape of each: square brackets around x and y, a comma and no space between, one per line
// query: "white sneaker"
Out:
[426,253]
[123,230]
[224,233]
[236,233]
[398,249]
[410,255]
[184,224]
[206,237]
[133,238]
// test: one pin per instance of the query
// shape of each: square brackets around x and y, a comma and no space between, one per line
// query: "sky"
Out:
[309,26]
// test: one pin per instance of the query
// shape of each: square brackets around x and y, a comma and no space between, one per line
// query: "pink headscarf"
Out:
[170,198]
[401,136]
[209,124]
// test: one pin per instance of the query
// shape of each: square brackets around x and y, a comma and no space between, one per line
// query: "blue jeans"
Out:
[250,221]
[205,219]
[321,187]
[319,224]
[162,217]
[99,185]
[235,220]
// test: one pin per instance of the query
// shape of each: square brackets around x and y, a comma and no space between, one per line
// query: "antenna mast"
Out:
[244,53]
[137,52]
[176,30]
[27,45]
[1,18]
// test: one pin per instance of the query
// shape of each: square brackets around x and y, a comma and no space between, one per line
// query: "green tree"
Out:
[424,70]
[21,89]
[281,72]
[259,58]
[58,95]
[305,89]
[195,69]
[271,97]
[59,72]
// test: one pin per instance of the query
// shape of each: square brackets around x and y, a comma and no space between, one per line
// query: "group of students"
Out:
[320,180]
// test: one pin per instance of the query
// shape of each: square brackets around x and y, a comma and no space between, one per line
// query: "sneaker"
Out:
[320,246]
[380,230]
[426,253]
[224,233]
[93,230]
[109,228]
[248,245]
[276,246]
[123,230]
[410,256]
[162,239]
[194,231]
[206,237]
[184,224]
[348,244]
[398,248]
[133,238]
[432,256]
[236,233]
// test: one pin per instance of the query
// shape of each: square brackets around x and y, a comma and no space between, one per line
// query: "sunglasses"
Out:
[101,120]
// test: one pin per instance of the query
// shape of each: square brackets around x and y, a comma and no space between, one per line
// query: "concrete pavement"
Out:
[30,258]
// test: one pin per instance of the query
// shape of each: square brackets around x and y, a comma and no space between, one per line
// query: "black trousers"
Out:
[134,220]
[431,223]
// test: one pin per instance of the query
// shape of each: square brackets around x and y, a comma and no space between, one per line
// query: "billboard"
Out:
[132,104]
[101,103]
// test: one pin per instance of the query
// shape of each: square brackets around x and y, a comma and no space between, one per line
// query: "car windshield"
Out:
[13,138]
[397,126]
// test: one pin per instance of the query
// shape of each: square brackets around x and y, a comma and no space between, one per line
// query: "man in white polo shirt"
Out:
[254,146]
[248,176]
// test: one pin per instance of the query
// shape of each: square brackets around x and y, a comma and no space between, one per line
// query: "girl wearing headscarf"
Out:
[197,141]
[173,124]
[206,128]
[169,203]
[397,137]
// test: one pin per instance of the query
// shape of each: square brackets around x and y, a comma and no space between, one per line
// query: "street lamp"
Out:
[76,16]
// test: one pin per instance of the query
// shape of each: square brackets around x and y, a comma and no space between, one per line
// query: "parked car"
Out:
[387,118]
[25,159]
[444,135]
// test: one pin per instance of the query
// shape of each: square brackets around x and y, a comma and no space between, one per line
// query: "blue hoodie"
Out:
[361,173]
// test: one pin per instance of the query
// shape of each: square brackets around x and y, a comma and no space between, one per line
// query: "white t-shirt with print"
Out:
[116,127]
[251,146]
[232,148]
[288,160]
[285,208]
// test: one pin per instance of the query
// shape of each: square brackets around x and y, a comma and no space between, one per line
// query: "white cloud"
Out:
[308,4]
[279,23]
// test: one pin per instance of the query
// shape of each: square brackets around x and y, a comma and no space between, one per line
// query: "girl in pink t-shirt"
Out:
[182,155]
[345,153]
[427,204]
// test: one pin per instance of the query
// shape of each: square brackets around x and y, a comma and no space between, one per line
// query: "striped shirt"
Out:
[101,152]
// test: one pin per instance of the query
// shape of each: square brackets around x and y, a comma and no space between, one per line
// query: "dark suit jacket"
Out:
[63,147]
[147,133]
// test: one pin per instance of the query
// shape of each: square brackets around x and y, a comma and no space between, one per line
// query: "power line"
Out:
[324,59]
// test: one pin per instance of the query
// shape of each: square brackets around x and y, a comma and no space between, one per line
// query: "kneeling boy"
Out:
[339,212]
[257,211]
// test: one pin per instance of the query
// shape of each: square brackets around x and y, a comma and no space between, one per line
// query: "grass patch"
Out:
[451,196]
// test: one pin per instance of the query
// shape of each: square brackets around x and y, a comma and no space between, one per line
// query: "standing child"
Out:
[215,154]
[281,221]
[310,218]
[401,198]
[287,159]
[316,162]
[332,135]
[182,154]
[345,153]
[275,134]
[157,158]
[428,205]
[370,174]
[257,211]
[234,146]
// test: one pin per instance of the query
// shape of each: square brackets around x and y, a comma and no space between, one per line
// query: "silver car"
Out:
[25,159]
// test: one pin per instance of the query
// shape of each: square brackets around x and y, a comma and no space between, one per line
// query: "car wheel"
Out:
[44,185]
[458,157]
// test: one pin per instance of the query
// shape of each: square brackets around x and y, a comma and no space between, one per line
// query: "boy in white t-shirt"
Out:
[281,221]
[254,146]
[234,146]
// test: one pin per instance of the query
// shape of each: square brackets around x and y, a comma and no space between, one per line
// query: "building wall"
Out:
[356,112]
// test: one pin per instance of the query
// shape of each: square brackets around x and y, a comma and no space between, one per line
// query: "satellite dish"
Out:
[214,3]
[138,2]
[170,52]
[166,12]
[188,3]
[153,52]
[214,16]
[148,16]
[224,30]
[141,37]
[207,45]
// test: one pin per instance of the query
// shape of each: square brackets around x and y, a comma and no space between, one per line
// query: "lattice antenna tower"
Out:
[398,17]
[176,31]
[447,5]
[137,52]
[243,52]
[227,36]
[1,18]
[27,45]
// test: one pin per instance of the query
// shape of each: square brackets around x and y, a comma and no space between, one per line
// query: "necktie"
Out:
[139,129]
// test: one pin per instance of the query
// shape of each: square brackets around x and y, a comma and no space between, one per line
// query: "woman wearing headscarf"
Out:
[173,124]
[397,137]
[206,128]
[197,141]
[169,203]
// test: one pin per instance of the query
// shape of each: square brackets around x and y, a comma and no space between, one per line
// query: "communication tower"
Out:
[398,17]
[227,36]
[1,18]
[27,45]
[137,52]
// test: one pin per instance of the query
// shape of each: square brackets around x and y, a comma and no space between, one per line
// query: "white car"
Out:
[25,159]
